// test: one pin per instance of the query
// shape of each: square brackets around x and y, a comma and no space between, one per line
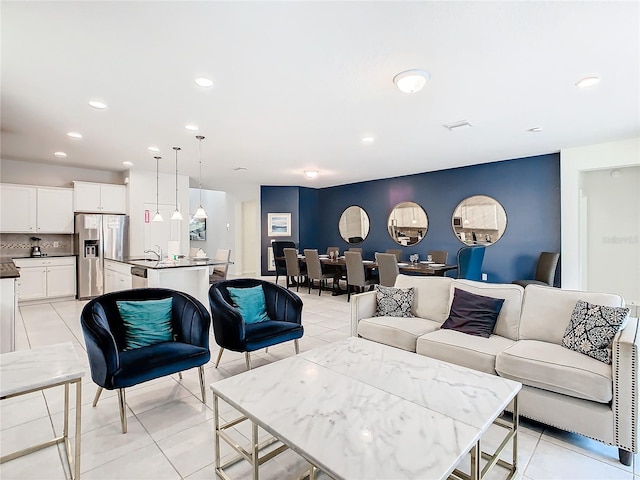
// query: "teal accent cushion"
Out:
[146,322]
[250,302]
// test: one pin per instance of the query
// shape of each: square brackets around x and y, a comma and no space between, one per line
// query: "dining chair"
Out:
[278,255]
[335,250]
[219,272]
[355,249]
[397,252]
[387,268]
[294,272]
[438,256]
[356,276]
[545,270]
[470,262]
[314,270]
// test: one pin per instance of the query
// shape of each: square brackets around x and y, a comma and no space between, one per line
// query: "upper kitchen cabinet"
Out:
[99,197]
[31,209]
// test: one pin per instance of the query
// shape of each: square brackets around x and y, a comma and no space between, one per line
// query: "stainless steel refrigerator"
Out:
[98,237]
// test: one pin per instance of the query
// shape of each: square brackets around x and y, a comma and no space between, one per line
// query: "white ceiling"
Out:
[297,84]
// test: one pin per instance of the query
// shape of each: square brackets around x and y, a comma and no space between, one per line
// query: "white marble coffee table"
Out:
[357,409]
[27,371]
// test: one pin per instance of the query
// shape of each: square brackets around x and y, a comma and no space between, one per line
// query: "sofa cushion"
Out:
[473,314]
[394,302]
[546,311]
[592,328]
[509,318]
[469,351]
[431,296]
[552,367]
[396,331]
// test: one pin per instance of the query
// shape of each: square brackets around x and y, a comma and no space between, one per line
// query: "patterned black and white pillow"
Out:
[592,328]
[394,302]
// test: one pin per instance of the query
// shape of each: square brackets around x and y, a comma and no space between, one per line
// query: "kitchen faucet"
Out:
[158,253]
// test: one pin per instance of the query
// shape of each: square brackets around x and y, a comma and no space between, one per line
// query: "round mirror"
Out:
[354,225]
[479,220]
[407,223]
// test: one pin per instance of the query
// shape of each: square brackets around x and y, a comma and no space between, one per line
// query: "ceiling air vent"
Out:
[461,125]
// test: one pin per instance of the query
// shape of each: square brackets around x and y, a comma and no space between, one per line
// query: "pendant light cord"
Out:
[200,138]
[176,149]
[157,182]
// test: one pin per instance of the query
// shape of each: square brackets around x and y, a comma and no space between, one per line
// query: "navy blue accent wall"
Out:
[278,200]
[528,189]
[309,226]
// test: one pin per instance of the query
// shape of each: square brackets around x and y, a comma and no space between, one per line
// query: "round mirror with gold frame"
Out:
[479,220]
[407,224]
[354,225]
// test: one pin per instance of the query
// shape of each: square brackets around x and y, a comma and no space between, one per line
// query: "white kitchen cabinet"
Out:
[55,210]
[481,217]
[43,278]
[18,204]
[117,276]
[31,209]
[99,197]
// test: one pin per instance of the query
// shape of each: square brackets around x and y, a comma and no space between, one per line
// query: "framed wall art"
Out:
[279,224]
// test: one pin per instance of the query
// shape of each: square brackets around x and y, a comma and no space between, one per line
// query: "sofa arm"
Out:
[363,305]
[625,386]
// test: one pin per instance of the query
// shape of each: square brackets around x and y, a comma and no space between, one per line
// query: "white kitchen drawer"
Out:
[119,267]
[44,261]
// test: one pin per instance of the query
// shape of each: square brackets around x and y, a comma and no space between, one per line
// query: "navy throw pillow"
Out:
[473,314]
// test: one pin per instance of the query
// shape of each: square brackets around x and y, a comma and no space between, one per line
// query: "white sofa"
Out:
[562,388]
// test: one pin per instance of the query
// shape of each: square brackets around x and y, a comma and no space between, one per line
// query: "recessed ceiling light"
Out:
[60,154]
[153,148]
[127,163]
[588,82]
[192,128]
[204,82]
[411,81]
[461,125]
[367,139]
[74,135]
[311,173]
[240,169]
[97,104]
[535,129]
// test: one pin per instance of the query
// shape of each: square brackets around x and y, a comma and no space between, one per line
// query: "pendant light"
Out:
[176,214]
[157,217]
[200,213]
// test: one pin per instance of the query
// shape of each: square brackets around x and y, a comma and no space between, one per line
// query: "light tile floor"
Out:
[170,431]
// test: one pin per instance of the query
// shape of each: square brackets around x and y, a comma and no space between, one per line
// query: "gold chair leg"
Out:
[97,397]
[296,346]
[122,403]
[202,389]
[219,356]
[247,359]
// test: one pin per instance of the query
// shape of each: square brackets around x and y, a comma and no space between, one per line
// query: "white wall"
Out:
[573,163]
[142,196]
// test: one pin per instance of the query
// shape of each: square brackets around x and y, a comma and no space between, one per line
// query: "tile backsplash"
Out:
[19,244]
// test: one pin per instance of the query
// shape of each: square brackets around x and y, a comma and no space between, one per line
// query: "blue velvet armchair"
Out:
[284,309]
[470,262]
[113,367]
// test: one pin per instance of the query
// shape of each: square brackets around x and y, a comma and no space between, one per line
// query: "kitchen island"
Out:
[188,275]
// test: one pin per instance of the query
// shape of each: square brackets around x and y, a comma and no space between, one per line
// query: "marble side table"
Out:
[27,371]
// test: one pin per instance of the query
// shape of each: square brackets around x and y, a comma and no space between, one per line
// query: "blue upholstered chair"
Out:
[115,368]
[470,262]
[283,307]
[278,255]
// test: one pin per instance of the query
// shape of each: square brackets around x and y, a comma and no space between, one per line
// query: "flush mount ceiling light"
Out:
[97,104]
[461,125]
[153,148]
[240,169]
[127,163]
[192,128]
[311,173]
[60,154]
[411,81]
[157,217]
[587,82]
[535,129]
[74,135]
[176,214]
[204,82]
[200,213]
[367,140]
